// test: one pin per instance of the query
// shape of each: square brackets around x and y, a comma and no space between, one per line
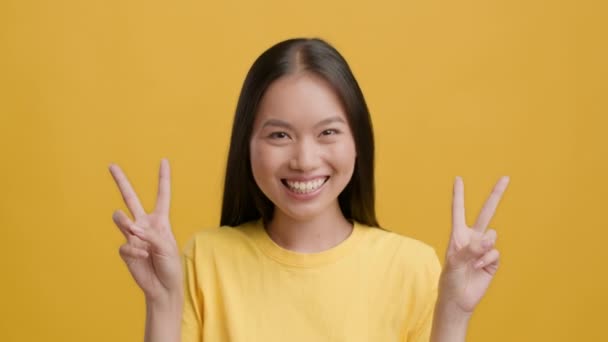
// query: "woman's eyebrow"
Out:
[330,120]
[281,123]
[277,123]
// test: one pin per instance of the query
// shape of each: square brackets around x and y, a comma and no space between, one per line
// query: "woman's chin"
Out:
[308,211]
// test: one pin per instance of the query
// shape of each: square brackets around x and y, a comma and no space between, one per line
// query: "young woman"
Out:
[300,255]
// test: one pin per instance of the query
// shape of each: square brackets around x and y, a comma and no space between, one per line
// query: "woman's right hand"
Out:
[150,252]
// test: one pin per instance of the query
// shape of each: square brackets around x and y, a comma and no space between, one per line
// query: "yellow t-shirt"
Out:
[241,287]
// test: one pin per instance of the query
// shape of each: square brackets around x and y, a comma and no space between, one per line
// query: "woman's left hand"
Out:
[471,258]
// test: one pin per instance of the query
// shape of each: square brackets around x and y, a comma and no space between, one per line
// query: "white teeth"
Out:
[304,187]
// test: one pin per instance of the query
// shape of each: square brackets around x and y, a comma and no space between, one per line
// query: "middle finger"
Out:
[487,212]
[127,192]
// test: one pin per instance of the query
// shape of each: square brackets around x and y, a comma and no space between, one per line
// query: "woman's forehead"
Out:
[301,98]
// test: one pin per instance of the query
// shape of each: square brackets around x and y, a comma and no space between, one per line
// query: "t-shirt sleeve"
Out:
[192,319]
[430,275]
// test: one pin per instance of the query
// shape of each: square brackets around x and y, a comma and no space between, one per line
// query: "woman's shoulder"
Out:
[416,261]
[218,238]
[408,248]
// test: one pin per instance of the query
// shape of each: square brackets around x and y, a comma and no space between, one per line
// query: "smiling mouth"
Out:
[305,187]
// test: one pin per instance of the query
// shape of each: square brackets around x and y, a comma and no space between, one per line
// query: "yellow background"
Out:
[471,88]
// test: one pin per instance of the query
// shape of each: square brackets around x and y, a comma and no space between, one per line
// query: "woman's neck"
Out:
[311,235]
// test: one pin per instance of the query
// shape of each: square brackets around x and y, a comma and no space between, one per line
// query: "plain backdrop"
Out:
[472,88]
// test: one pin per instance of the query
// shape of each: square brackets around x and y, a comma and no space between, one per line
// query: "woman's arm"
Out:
[449,325]
[163,320]
[152,256]
[470,265]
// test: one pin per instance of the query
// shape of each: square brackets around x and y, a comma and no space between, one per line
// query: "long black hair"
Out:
[243,200]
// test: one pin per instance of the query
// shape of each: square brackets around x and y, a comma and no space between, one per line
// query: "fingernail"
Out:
[486,243]
[478,264]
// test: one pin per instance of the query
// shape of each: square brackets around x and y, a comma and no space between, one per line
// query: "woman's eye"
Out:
[329,132]
[278,135]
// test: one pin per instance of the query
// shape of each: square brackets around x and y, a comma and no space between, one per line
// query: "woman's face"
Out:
[302,149]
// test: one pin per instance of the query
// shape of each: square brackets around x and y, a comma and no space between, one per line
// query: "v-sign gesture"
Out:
[151,253]
[471,259]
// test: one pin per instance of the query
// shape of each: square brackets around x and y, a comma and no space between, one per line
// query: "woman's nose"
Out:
[306,156]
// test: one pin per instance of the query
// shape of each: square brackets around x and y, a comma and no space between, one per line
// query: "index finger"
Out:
[458,213]
[127,192]
[487,212]
[163,200]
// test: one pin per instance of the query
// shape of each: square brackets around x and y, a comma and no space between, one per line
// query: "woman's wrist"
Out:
[452,313]
[170,301]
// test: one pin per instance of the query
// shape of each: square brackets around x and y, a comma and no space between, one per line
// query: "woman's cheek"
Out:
[345,154]
[267,160]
